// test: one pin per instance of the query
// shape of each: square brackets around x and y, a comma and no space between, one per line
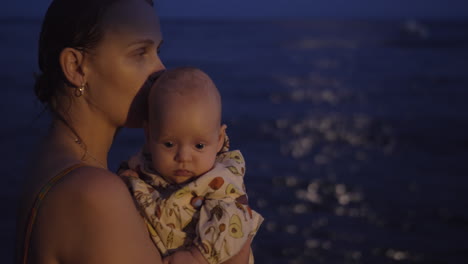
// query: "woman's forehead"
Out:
[130,21]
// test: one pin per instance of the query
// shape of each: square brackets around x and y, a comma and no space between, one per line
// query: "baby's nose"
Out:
[183,155]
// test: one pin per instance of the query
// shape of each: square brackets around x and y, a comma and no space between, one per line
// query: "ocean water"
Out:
[355,132]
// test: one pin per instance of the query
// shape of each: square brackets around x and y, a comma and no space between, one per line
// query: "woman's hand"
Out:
[128,173]
[193,256]
[243,256]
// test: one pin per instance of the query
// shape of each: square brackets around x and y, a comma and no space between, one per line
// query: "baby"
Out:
[186,183]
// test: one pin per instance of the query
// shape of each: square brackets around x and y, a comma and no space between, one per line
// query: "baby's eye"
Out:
[200,146]
[168,144]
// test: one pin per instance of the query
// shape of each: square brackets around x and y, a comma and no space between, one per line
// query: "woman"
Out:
[94,57]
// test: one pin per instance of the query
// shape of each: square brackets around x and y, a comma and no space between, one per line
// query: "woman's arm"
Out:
[97,221]
[194,256]
[243,256]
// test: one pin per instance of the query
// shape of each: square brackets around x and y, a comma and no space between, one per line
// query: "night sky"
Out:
[279,8]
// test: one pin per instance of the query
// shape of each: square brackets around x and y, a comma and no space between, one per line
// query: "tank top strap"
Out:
[37,203]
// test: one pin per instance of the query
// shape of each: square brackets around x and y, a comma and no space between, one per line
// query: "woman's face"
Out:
[123,60]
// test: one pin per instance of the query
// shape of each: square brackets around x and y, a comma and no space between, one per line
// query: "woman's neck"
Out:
[90,144]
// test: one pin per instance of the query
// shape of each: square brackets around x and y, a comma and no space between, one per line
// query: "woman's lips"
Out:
[183,173]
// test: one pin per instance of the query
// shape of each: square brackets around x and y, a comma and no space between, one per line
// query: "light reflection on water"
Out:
[311,205]
[314,223]
[326,136]
[319,217]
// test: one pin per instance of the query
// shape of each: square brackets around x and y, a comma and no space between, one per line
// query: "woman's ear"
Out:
[221,137]
[71,61]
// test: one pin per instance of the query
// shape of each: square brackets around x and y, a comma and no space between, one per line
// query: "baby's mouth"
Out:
[183,173]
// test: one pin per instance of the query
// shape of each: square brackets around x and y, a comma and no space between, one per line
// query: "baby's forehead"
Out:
[185,81]
[189,87]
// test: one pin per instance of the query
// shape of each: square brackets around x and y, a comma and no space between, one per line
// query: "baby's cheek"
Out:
[161,163]
[157,165]
[207,163]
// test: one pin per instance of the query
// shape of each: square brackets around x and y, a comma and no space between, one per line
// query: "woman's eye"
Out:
[200,146]
[141,51]
[168,144]
[158,51]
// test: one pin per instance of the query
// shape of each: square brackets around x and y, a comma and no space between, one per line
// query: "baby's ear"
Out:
[222,136]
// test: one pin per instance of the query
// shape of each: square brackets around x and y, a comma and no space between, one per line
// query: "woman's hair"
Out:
[67,24]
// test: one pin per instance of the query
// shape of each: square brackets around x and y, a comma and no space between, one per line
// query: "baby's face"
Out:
[184,138]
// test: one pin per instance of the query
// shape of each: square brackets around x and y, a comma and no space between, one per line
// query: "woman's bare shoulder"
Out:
[96,221]
[91,182]
[92,187]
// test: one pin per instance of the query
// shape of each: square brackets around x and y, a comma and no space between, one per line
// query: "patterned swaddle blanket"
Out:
[210,212]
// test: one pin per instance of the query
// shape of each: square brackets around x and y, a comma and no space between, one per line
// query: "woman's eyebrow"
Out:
[142,41]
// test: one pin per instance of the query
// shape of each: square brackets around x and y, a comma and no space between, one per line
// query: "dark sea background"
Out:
[355,132]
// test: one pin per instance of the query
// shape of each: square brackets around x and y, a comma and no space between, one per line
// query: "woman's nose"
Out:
[158,65]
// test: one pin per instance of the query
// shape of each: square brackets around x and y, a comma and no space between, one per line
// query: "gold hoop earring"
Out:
[80,90]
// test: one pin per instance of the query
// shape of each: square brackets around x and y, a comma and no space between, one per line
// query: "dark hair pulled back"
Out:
[67,24]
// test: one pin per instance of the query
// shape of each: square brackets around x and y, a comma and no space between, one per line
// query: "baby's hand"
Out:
[128,173]
[186,256]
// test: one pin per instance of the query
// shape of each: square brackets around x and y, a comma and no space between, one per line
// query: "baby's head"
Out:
[184,131]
